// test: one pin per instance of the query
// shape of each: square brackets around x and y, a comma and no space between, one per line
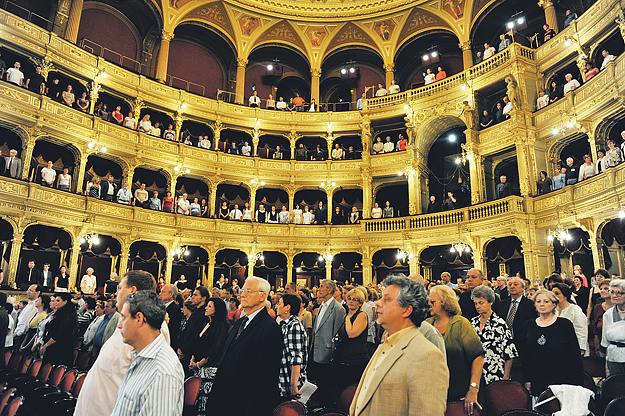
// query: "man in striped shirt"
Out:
[154,383]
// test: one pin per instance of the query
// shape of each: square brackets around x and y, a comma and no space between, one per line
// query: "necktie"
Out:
[510,319]
[243,321]
[10,163]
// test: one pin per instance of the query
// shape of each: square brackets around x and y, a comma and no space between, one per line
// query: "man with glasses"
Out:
[32,294]
[613,337]
[251,358]
[330,317]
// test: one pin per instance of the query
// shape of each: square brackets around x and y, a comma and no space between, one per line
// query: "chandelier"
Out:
[560,234]
[255,257]
[182,250]
[402,255]
[91,239]
[460,247]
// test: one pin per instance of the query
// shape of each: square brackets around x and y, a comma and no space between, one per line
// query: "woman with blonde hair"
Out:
[465,355]
[145,125]
[551,354]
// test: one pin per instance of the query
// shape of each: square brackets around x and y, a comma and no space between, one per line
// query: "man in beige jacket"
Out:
[407,375]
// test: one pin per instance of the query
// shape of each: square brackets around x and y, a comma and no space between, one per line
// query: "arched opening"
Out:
[153,180]
[613,247]
[268,147]
[9,140]
[10,58]
[271,198]
[387,261]
[42,244]
[346,200]
[504,256]
[6,235]
[271,266]
[60,155]
[391,130]
[410,69]
[156,117]
[309,268]
[103,258]
[351,146]
[102,168]
[559,76]
[574,251]
[576,149]
[212,58]
[341,90]
[445,173]
[232,195]
[310,198]
[111,102]
[194,130]
[291,75]
[239,138]
[193,264]
[194,188]
[510,169]
[613,45]
[435,260]
[347,268]
[78,88]
[35,11]
[148,256]
[230,264]
[309,144]
[397,195]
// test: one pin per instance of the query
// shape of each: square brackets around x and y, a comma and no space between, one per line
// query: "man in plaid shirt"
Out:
[293,365]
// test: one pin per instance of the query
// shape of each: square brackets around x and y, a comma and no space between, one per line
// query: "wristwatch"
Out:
[475,386]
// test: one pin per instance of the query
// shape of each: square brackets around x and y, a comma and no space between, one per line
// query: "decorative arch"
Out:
[350,34]
[212,15]
[420,21]
[436,121]
[284,33]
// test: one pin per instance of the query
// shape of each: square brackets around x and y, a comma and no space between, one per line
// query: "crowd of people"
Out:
[456,338]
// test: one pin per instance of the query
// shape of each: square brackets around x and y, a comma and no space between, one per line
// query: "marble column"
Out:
[315,75]
[168,267]
[367,271]
[550,14]
[467,54]
[14,259]
[211,271]
[390,74]
[73,267]
[27,156]
[240,89]
[163,56]
[73,22]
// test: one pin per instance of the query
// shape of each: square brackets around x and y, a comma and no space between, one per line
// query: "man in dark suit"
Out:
[475,278]
[503,187]
[502,288]
[13,165]
[329,319]
[321,214]
[168,294]
[30,276]
[4,326]
[47,281]
[251,359]
[109,189]
[195,324]
[517,314]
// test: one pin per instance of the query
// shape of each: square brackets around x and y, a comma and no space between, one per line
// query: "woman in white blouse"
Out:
[247,213]
[430,77]
[130,121]
[64,180]
[297,215]
[307,216]
[587,169]
[572,312]
[376,212]
[145,125]
[89,283]
[543,100]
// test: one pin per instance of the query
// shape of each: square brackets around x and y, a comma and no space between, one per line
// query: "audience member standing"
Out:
[194,325]
[251,356]
[292,374]
[13,165]
[32,293]
[168,295]
[58,339]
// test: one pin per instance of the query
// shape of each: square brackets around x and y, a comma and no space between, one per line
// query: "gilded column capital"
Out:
[242,62]
[465,45]
[315,72]
[166,36]
[545,4]
[389,67]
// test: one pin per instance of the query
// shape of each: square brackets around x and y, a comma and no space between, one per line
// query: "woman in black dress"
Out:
[58,340]
[207,349]
[352,356]
[224,212]
[552,354]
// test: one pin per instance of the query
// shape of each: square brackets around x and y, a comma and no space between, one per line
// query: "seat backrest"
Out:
[15,360]
[616,407]
[80,380]
[595,366]
[34,368]
[613,386]
[68,381]
[504,395]
[522,412]
[7,356]
[589,383]
[345,399]
[82,362]
[5,397]
[457,409]
[44,372]
[56,375]
[549,407]
[292,408]
[26,361]
[191,389]
[12,408]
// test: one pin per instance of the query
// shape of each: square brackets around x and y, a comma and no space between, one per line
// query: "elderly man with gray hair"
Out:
[405,357]
[572,172]
[329,319]
[168,294]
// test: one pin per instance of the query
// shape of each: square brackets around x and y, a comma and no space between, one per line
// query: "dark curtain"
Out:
[269,197]
[239,137]
[196,255]
[8,141]
[46,237]
[579,241]
[503,248]
[153,180]
[347,261]
[98,166]
[106,243]
[431,254]
[397,195]
[273,260]
[387,258]
[6,230]
[155,116]
[229,258]
[112,102]
[147,250]
[194,188]
[310,197]
[308,261]
[196,129]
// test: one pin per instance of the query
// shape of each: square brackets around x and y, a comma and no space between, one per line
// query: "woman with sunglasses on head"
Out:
[614,329]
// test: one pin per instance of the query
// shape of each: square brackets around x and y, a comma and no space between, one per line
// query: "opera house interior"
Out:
[337,108]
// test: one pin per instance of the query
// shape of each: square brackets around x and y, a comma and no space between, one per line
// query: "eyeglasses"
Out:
[616,293]
[248,291]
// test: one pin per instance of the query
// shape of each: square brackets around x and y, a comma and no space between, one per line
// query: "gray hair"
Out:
[620,283]
[481,273]
[172,289]
[483,292]
[216,290]
[329,283]
[568,75]
[569,158]
[501,278]
[263,285]
[411,293]
[150,305]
